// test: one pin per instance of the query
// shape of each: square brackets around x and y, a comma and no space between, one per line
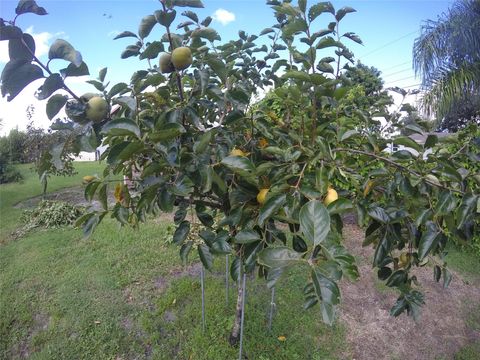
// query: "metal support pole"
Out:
[227,276]
[243,316]
[202,283]
[273,307]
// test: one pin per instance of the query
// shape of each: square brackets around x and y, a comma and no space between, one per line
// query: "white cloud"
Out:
[223,16]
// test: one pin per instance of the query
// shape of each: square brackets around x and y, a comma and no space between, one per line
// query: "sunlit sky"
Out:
[387,27]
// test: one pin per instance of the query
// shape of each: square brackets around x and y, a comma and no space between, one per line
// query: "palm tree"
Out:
[447,57]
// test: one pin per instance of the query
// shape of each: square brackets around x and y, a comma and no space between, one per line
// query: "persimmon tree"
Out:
[253,179]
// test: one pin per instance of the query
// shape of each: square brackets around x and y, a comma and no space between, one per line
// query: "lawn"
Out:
[123,294]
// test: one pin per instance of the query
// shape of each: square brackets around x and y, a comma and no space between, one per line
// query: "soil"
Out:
[371,332]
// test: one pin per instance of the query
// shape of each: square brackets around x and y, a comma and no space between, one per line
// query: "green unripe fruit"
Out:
[97,109]
[182,58]
[165,63]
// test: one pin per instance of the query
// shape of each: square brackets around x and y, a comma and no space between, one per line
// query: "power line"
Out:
[397,72]
[405,78]
[388,44]
[398,65]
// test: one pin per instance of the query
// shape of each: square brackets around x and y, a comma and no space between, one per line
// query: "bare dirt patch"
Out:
[373,334]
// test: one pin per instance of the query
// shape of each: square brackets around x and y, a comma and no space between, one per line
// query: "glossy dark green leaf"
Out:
[428,240]
[430,142]
[29,6]
[73,70]
[468,205]
[206,33]
[275,257]
[314,221]
[328,293]
[384,273]
[246,237]
[183,186]
[241,166]
[398,278]
[124,34]
[21,49]
[8,32]
[378,214]
[181,233]
[270,207]
[55,104]
[121,127]
[16,75]
[62,49]
[146,25]
[165,18]
[152,50]
[185,250]
[187,3]
[447,277]
[343,11]
[167,132]
[340,206]
[407,142]
[103,197]
[319,9]
[437,273]
[446,203]
[206,256]
[51,84]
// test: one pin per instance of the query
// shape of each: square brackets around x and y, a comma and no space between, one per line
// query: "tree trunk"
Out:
[235,333]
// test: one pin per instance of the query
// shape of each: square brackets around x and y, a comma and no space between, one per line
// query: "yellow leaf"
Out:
[282,338]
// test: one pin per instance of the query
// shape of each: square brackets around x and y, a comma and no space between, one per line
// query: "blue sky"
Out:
[387,28]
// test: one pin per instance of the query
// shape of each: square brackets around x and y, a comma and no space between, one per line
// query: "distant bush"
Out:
[51,214]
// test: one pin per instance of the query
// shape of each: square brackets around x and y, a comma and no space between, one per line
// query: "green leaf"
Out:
[183,187]
[339,206]
[17,50]
[165,18]
[73,70]
[236,269]
[430,142]
[152,50]
[344,11]
[270,207]
[240,165]
[8,32]
[319,9]
[117,89]
[446,203]
[206,256]
[122,151]
[121,127]
[16,75]
[348,134]
[103,197]
[62,49]
[181,233]
[125,34]
[428,240]
[277,257]
[167,132]
[398,278]
[378,214]
[217,66]
[200,146]
[51,84]
[328,293]
[146,26]
[408,142]
[206,33]
[246,237]
[29,6]
[302,5]
[314,221]
[384,273]
[55,104]
[297,75]
[189,3]
[327,42]
[447,277]
[467,207]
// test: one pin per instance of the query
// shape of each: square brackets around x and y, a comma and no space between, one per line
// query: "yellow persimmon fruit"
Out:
[182,58]
[88,179]
[332,195]
[261,196]
[237,152]
[97,109]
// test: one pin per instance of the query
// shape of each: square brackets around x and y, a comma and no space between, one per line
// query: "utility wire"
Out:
[387,44]
[397,72]
[398,65]
[405,78]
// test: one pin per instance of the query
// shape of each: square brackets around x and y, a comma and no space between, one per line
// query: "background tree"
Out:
[447,57]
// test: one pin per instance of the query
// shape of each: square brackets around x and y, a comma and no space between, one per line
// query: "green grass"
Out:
[464,261]
[122,295]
